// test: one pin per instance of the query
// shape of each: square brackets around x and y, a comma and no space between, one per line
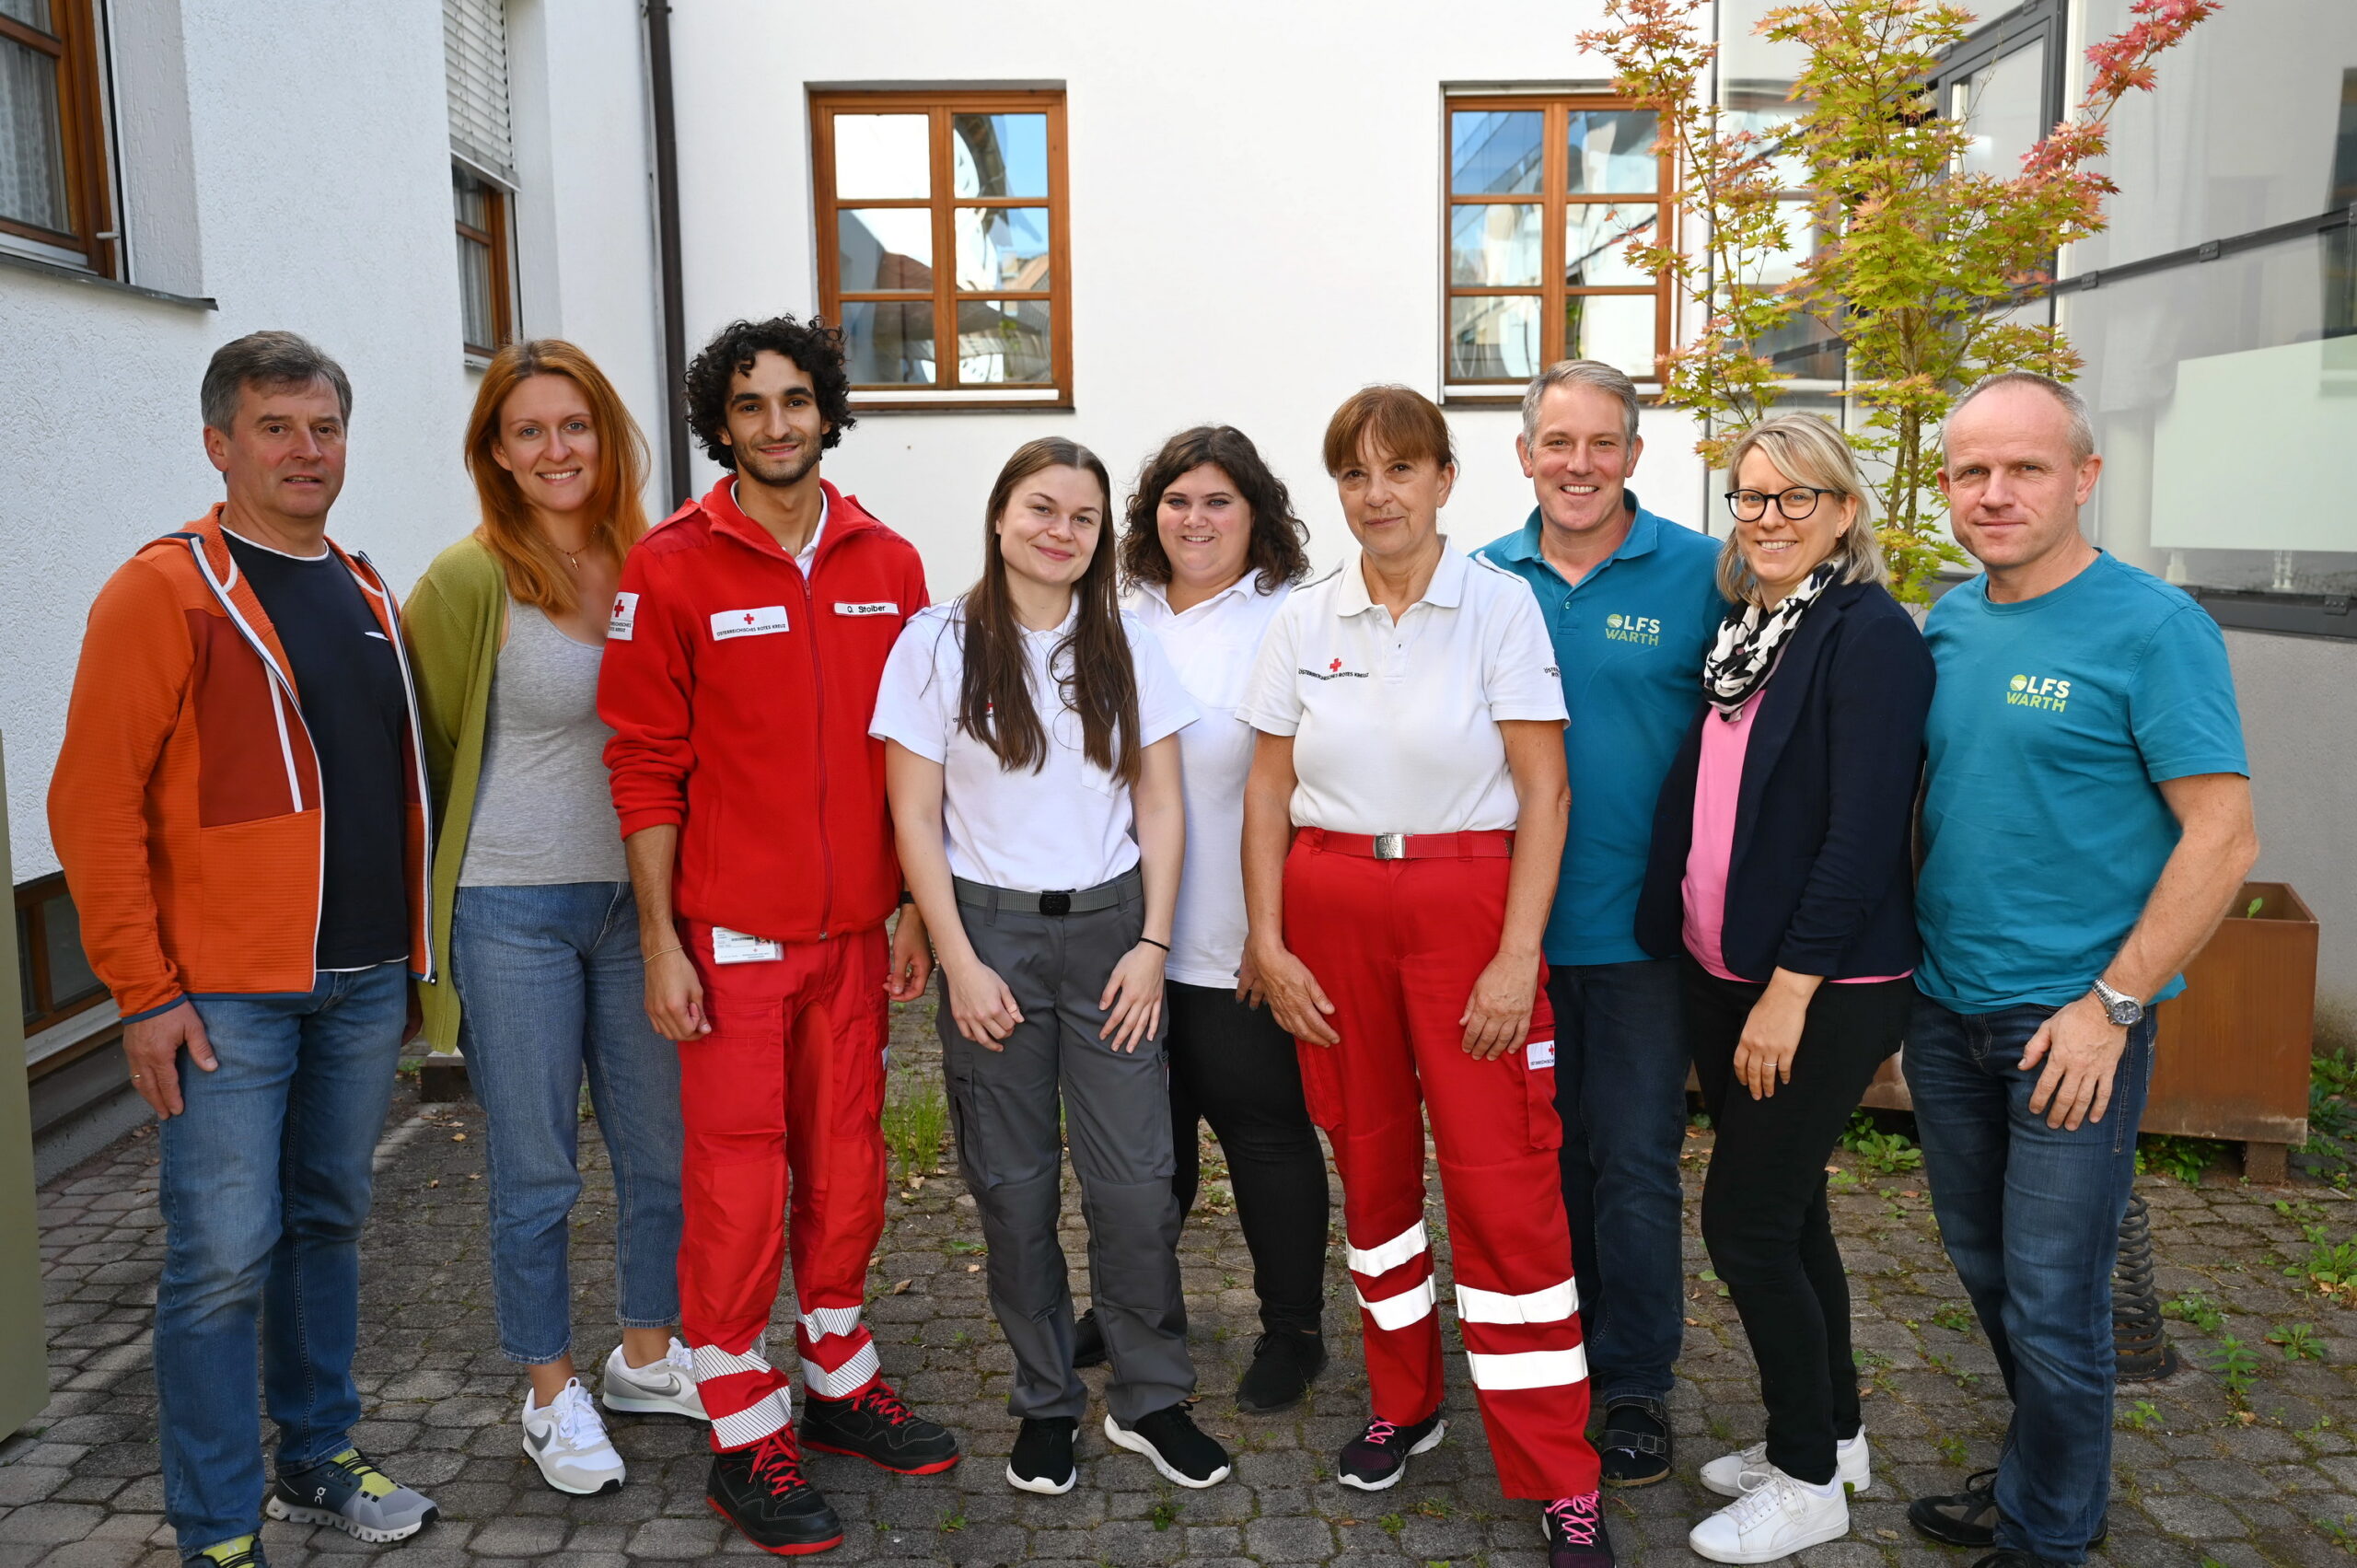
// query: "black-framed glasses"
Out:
[1796,504]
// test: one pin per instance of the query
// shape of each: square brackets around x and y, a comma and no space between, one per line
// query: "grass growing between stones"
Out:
[916,1121]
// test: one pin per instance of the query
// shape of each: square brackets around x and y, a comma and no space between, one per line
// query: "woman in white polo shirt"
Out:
[1403,826]
[1033,772]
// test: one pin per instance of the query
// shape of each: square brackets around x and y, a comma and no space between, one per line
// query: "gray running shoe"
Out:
[348,1494]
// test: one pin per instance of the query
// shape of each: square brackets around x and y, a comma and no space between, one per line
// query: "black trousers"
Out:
[1233,1066]
[1764,1217]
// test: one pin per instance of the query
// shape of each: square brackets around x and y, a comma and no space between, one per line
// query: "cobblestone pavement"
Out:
[2204,1475]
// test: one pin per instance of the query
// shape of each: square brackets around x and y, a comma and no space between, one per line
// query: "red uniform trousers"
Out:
[791,1079]
[1397,944]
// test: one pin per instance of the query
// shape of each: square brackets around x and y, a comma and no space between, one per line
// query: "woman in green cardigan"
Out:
[532,899]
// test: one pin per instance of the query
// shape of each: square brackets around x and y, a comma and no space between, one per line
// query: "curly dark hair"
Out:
[814,345]
[1280,542]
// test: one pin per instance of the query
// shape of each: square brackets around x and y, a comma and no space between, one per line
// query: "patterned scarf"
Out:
[1749,640]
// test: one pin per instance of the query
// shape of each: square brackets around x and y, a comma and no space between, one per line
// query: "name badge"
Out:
[1539,1053]
[624,617]
[736,948]
[757,622]
[882,607]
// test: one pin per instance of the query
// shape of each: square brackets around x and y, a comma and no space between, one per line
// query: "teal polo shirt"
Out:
[1629,638]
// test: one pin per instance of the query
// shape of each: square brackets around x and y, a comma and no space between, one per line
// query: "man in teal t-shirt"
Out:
[2086,821]
[1631,602]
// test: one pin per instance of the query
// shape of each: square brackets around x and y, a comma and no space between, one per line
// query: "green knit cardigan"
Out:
[456,620]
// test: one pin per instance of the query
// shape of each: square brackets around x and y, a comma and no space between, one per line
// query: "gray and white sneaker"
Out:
[660,1388]
[569,1443]
[346,1492]
[1732,1475]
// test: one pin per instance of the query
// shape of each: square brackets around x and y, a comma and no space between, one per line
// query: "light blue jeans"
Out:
[264,1186]
[550,983]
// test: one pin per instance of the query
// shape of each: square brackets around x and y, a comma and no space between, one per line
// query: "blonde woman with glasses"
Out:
[1779,875]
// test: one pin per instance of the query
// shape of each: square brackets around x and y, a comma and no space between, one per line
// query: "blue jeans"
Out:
[264,1187]
[551,983]
[2031,1216]
[1620,1063]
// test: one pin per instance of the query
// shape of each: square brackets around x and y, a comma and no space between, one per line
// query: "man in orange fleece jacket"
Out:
[239,807]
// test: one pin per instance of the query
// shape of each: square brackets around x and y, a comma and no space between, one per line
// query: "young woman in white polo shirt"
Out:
[1402,827]
[1209,551]
[1033,771]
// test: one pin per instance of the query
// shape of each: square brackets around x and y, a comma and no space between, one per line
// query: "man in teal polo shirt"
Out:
[1632,603]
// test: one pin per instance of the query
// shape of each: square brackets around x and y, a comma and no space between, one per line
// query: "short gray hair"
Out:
[2083,427]
[266,359]
[1579,373]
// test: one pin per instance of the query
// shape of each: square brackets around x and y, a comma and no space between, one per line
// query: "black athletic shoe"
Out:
[1635,1445]
[2009,1558]
[1284,1363]
[1183,1452]
[1969,1517]
[875,1426]
[1043,1459]
[760,1491]
[1575,1534]
[1087,1340]
[1379,1457]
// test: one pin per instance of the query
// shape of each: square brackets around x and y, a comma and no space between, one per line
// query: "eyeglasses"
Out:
[1750,505]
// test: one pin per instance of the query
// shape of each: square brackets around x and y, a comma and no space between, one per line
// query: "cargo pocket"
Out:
[1537,1065]
[1321,1084]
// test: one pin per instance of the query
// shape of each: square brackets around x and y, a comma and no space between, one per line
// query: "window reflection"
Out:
[885,247]
[1003,341]
[1612,151]
[1494,245]
[882,158]
[1494,339]
[1002,249]
[1495,152]
[2003,106]
[999,154]
[889,344]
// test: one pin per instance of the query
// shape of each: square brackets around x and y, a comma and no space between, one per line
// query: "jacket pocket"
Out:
[258,915]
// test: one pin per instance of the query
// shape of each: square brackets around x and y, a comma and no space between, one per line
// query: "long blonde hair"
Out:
[1808,450]
[535,573]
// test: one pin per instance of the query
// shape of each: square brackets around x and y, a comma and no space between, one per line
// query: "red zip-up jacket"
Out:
[739,693]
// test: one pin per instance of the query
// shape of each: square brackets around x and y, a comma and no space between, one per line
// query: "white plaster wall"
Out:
[1256,226]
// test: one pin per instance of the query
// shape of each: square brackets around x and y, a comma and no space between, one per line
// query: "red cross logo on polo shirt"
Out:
[618,606]
[1336,666]
[749,618]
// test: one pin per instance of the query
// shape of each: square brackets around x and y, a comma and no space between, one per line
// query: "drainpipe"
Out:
[666,236]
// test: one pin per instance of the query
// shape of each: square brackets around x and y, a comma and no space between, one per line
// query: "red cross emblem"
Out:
[1336,668]
[749,618]
[618,606]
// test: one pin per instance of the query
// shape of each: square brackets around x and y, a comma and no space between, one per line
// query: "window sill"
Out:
[12,259]
[2285,615]
[1045,399]
[1472,396]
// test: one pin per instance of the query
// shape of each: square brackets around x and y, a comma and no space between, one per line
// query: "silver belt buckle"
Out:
[1390,846]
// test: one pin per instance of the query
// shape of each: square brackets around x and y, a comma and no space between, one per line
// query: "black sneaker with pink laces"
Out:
[1575,1534]
[1377,1457]
[876,1425]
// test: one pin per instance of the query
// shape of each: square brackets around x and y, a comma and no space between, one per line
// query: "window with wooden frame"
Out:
[486,309]
[53,185]
[944,245]
[1545,195]
[52,975]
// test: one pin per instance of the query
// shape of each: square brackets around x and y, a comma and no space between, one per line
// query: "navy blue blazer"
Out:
[1822,879]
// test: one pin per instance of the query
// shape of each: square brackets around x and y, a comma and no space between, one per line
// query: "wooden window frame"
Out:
[41,1010]
[945,393]
[1554,199]
[493,237]
[82,137]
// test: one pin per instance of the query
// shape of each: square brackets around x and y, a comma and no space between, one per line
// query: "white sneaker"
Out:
[660,1388]
[1776,1517]
[569,1443]
[1732,1475]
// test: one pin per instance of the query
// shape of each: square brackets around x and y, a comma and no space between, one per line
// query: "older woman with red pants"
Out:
[1403,821]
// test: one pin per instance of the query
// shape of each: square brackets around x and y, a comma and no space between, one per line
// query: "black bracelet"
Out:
[1151,943]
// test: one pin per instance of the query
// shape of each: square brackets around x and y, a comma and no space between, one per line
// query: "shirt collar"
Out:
[1643,538]
[1445,591]
[730,518]
[1157,595]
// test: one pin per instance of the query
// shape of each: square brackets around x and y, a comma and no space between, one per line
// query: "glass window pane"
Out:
[32,149]
[1494,245]
[1494,339]
[884,247]
[881,156]
[1002,249]
[471,200]
[32,13]
[999,154]
[1003,341]
[888,345]
[1615,328]
[2003,105]
[70,977]
[1613,150]
[475,320]
[1495,152]
[25,965]
[1597,236]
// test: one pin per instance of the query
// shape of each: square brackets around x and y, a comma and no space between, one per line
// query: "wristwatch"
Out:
[2117,1005]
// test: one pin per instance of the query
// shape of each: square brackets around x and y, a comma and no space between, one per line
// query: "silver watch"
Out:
[2119,1006]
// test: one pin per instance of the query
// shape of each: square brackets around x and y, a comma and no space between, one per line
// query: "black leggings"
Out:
[1764,1217]
[1233,1066]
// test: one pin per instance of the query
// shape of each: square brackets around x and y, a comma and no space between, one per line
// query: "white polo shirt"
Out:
[1395,724]
[1066,826]
[1213,646]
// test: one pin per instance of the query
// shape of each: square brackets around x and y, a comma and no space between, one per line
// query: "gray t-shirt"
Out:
[543,811]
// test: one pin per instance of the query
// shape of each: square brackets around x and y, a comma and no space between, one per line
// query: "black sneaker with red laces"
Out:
[760,1491]
[876,1427]
[1575,1534]
[1377,1457]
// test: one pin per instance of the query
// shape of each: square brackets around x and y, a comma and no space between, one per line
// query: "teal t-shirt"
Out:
[2053,723]
[1629,638]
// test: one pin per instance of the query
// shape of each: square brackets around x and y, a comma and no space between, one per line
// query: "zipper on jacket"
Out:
[819,690]
[417,758]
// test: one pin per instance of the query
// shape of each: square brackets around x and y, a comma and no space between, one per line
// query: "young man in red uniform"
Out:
[748,640]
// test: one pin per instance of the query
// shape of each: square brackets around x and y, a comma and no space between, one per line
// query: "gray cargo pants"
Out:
[1117,1115]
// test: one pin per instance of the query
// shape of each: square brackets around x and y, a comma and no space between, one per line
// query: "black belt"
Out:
[1085,901]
